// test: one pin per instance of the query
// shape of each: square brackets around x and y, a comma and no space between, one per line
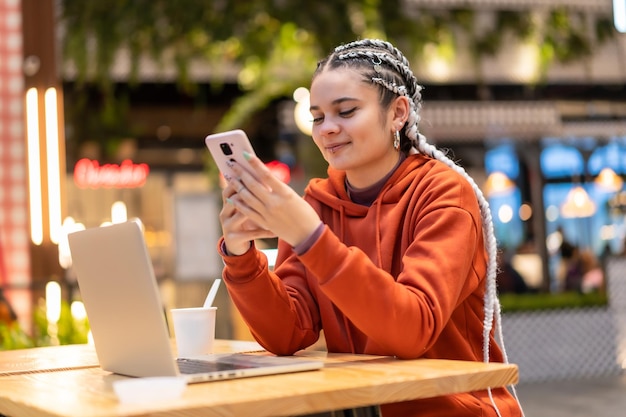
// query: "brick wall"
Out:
[14,245]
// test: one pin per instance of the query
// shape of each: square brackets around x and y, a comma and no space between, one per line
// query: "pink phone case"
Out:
[227,147]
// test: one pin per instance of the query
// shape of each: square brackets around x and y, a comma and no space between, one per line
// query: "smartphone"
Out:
[228,147]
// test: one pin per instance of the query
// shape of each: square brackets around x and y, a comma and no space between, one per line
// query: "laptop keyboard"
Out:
[196,366]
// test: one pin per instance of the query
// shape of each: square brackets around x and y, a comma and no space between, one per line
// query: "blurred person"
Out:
[7,314]
[592,273]
[392,254]
[508,278]
[574,263]
[571,270]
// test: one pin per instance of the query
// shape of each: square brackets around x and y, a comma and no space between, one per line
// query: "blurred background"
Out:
[104,106]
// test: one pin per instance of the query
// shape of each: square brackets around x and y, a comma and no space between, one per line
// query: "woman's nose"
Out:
[328,126]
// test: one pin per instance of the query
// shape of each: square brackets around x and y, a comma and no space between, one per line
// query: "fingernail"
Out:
[229,201]
[246,155]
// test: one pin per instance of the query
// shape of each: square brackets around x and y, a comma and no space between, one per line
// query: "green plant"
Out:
[272,46]
[539,302]
[12,336]
[68,330]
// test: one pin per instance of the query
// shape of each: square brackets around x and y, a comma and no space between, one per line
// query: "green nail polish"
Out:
[246,155]
[229,201]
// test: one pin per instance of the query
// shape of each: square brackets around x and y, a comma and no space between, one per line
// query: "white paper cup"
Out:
[194,330]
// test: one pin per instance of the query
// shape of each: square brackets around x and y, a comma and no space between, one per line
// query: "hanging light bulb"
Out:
[608,180]
[578,204]
[498,183]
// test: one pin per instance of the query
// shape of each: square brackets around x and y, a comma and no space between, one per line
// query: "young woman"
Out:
[392,254]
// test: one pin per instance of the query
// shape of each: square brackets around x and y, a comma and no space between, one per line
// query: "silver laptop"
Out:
[128,321]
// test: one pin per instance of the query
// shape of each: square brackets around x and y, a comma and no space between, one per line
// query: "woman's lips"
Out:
[334,148]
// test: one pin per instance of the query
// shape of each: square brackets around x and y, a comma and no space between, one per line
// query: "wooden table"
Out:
[67,381]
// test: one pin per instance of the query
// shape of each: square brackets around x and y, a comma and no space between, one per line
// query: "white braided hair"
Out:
[387,66]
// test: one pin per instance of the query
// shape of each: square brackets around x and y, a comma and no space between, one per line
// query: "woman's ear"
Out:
[400,109]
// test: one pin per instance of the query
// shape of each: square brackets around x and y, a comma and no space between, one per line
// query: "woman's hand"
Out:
[238,230]
[259,205]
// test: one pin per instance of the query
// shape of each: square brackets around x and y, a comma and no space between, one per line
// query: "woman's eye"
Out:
[347,113]
[317,119]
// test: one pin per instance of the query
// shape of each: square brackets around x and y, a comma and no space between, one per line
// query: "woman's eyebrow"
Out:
[336,102]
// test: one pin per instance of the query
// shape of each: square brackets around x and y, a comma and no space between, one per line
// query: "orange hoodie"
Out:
[404,277]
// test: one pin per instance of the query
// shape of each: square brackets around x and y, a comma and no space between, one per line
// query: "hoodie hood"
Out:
[330,198]
[332,192]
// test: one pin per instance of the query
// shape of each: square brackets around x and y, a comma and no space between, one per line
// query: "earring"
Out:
[396,140]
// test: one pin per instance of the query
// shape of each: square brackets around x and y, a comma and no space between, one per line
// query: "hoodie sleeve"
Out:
[282,315]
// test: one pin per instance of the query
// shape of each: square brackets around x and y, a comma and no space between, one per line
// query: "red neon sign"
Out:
[281,170]
[90,174]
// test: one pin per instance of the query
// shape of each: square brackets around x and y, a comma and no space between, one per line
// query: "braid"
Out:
[383,64]
[400,63]
[377,43]
[391,86]
[491,302]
